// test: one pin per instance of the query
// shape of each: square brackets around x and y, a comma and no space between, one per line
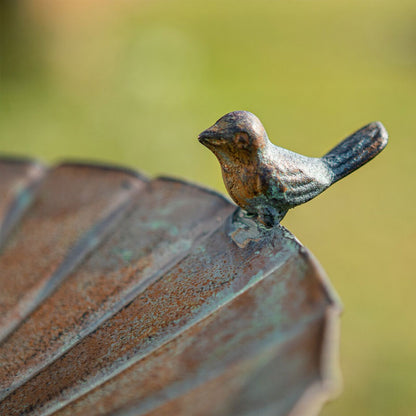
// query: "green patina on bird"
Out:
[266,180]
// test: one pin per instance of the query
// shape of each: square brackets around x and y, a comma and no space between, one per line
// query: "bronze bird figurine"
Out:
[266,180]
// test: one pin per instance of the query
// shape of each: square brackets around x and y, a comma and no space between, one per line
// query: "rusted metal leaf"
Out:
[169,305]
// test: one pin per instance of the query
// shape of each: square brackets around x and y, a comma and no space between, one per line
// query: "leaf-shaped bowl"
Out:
[128,296]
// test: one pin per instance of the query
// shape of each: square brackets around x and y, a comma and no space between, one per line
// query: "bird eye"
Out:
[241,139]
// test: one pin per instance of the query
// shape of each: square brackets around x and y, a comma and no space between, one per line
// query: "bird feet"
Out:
[270,217]
[244,228]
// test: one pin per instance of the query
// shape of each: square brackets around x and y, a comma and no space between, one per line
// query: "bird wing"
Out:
[300,178]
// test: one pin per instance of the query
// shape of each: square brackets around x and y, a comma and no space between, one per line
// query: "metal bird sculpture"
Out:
[266,180]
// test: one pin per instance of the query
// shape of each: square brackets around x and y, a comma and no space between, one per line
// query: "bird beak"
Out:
[206,135]
[210,137]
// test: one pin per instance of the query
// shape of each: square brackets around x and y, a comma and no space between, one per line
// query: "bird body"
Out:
[266,180]
[268,189]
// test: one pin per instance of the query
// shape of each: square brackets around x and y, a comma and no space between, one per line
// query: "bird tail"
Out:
[356,150]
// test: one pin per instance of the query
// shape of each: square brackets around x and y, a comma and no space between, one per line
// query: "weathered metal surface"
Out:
[75,206]
[181,307]
[266,180]
[226,355]
[19,178]
[164,222]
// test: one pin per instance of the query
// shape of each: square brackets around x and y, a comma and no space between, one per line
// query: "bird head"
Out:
[236,136]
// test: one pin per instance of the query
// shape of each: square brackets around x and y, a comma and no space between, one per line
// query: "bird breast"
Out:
[243,183]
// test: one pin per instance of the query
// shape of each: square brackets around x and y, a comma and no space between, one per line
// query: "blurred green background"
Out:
[134,82]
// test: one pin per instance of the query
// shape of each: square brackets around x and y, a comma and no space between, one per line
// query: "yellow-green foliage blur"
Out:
[133,83]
